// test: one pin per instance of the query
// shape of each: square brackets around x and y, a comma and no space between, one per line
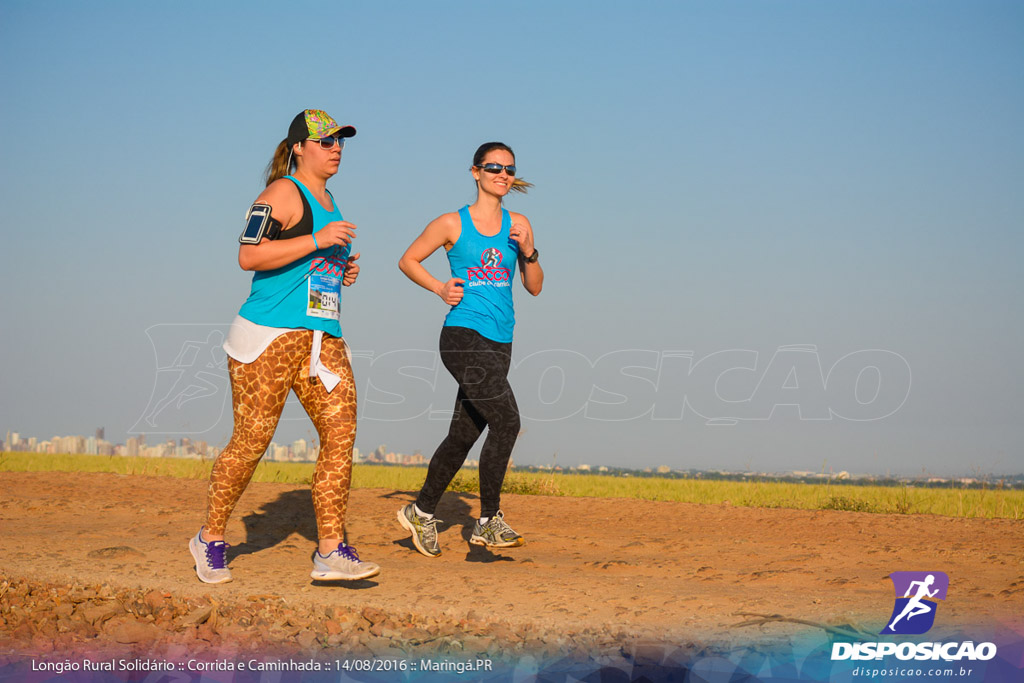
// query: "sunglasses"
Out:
[329,142]
[497,168]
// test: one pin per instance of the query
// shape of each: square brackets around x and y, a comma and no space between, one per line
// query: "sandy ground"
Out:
[608,568]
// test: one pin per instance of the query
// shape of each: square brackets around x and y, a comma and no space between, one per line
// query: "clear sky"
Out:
[776,235]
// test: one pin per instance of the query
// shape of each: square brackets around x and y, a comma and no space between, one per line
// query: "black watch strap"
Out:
[532,258]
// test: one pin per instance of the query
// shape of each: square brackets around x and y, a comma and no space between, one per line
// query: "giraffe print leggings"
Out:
[258,393]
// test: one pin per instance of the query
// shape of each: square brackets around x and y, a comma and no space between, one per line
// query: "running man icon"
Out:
[195,370]
[915,606]
[919,591]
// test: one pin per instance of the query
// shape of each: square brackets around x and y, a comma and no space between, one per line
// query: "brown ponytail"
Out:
[282,163]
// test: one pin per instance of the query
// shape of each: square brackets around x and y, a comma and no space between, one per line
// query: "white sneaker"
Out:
[343,564]
[211,565]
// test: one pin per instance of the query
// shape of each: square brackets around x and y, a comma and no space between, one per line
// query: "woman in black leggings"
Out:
[484,243]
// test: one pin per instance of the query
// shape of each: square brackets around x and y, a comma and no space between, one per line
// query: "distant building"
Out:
[277,453]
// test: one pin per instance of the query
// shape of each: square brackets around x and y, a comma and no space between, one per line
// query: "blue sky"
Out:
[776,235]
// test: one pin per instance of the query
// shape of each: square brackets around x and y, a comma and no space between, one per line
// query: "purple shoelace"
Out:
[348,552]
[215,554]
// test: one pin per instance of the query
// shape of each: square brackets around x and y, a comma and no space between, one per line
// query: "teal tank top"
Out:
[488,265]
[305,294]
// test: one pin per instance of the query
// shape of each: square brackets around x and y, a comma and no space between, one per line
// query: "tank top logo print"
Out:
[333,264]
[490,270]
[324,284]
[487,266]
[306,293]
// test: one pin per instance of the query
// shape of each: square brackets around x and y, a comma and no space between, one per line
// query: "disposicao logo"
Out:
[913,613]
[916,595]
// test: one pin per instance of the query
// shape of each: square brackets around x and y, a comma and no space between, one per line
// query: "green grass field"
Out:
[986,503]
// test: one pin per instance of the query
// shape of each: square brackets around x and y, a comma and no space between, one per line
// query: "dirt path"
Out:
[656,571]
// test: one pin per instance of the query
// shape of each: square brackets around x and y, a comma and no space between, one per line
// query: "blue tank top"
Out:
[488,265]
[306,293]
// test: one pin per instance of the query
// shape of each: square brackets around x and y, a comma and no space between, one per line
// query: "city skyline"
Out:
[300,451]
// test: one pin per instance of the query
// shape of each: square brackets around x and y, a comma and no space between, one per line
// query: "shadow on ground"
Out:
[291,512]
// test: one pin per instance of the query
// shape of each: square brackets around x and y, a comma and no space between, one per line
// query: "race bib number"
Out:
[324,296]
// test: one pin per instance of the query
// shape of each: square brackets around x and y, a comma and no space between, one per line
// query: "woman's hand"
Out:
[451,291]
[335,233]
[522,233]
[351,270]
[531,273]
[440,232]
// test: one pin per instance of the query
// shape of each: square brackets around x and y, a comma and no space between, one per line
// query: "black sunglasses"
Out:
[329,142]
[497,168]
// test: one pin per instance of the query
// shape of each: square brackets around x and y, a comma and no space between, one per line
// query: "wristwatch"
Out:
[532,258]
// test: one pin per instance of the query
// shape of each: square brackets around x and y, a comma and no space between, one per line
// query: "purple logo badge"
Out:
[916,595]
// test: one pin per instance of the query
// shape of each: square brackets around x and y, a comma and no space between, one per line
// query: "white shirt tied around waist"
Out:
[247,341]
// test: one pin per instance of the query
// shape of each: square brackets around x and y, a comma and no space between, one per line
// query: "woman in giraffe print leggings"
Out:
[287,337]
[484,243]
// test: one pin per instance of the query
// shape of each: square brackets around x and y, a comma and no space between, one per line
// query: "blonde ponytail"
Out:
[520,185]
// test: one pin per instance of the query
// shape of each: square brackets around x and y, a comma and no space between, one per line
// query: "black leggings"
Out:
[480,366]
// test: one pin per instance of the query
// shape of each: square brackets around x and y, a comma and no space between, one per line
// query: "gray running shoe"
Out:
[343,564]
[423,530]
[211,566]
[496,533]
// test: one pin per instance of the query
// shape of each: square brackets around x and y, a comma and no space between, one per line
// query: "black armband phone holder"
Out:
[259,224]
